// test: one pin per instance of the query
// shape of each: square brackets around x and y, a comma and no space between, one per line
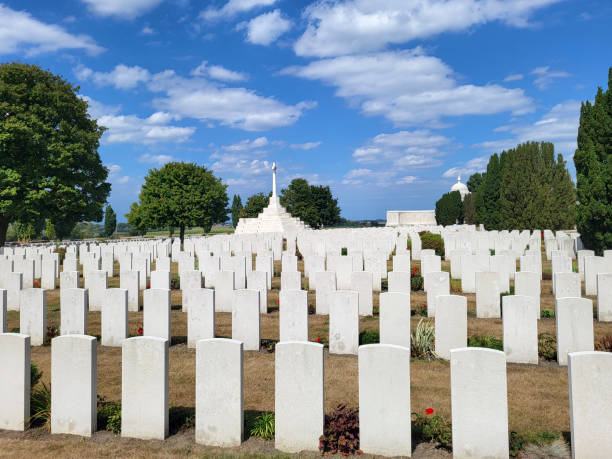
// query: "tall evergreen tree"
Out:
[593,161]
[449,208]
[110,221]
[487,198]
[236,208]
[474,181]
[469,209]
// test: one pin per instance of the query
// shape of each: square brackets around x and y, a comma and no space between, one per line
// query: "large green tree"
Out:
[49,163]
[487,196]
[180,195]
[236,208]
[474,181]
[255,205]
[449,208]
[593,161]
[469,209]
[110,221]
[314,205]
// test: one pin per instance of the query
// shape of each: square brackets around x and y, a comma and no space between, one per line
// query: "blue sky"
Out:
[385,101]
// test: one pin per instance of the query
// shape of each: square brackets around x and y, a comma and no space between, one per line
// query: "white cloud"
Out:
[409,87]
[121,77]
[355,26]
[559,126]
[305,146]
[158,160]
[235,107]
[403,149]
[234,7]
[545,76]
[246,145]
[114,175]
[146,30]
[266,28]
[133,129]
[514,77]
[21,33]
[123,9]
[473,165]
[217,72]
[381,178]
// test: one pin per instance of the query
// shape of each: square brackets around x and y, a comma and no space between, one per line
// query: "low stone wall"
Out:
[411,217]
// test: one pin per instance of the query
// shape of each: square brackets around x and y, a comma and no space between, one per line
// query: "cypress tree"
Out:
[449,208]
[487,200]
[593,161]
[236,208]
[469,209]
[110,221]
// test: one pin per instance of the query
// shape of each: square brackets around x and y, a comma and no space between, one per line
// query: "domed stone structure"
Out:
[461,188]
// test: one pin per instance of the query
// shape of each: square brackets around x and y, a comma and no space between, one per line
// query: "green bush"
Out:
[109,416]
[488,341]
[369,337]
[40,406]
[420,310]
[517,443]
[432,428]
[344,251]
[263,426]
[416,283]
[547,313]
[35,375]
[547,346]
[422,341]
[433,241]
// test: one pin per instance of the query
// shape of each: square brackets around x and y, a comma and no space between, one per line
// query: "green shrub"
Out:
[420,310]
[341,432]
[175,283]
[109,416]
[344,251]
[40,406]
[180,418]
[35,375]
[516,444]
[369,337]
[422,341]
[433,241]
[432,428]
[416,283]
[52,332]
[263,426]
[488,341]
[547,346]
[547,313]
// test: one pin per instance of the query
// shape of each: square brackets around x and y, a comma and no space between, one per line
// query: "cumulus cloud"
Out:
[21,33]
[409,87]
[304,146]
[234,107]
[217,72]
[234,7]
[246,144]
[158,160]
[114,175]
[514,77]
[134,129]
[266,28]
[473,165]
[122,9]
[121,77]
[356,26]
[380,178]
[559,126]
[545,76]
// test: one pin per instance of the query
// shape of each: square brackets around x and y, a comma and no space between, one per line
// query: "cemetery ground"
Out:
[538,399]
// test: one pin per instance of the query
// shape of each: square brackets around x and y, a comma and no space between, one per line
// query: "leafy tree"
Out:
[487,196]
[469,209]
[593,161]
[49,163]
[255,205]
[236,208]
[449,208]
[474,181]
[135,220]
[50,230]
[28,231]
[110,222]
[181,195]
[314,205]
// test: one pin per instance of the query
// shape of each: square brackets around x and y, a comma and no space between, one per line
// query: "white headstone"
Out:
[114,317]
[74,305]
[344,322]
[224,291]
[257,280]
[450,324]
[200,306]
[33,315]
[3,320]
[361,282]
[160,280]
[130,281]
[395,318]
[245,318]
[156,313]
[219,392]
[439,284]
[520,326]
[574,319]
[13,286]
[293,315]
[291,280]
[299,400]
[15,381]
[326,284]
[398,281]
[487,295]
[604,297]
[96,283]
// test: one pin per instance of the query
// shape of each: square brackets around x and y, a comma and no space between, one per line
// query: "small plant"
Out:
[344,251]
[268,344]
[416,280]
[341,432]
[547,346]
[369,337]
[175,283]
[40,406]
[432,428]
[604,344]
[35,375]
[420,310]
[488,341]
[109,415]
[422,341]
[557,448]
[180,418]
[52,332]
[516,443]
[263,426]
[547,313]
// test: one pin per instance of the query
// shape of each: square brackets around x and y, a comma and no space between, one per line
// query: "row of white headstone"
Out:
[479,403]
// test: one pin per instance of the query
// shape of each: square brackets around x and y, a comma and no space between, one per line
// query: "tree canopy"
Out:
[49,161]
[313,204]
[235,210]
[180,195]
[255,205]
[449,209]
[525,188]
[110,222]
[593,161]
[474,181]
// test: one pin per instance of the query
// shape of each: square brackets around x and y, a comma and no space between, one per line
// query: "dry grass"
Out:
[537,395]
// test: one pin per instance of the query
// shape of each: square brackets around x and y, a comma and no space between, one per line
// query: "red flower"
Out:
[429,411]
[140,331]
[318,340]
[148,285]
[278,301]
[35,284]
[425,305]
